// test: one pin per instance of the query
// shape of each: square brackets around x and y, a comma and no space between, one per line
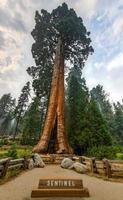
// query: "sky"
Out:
[103,18]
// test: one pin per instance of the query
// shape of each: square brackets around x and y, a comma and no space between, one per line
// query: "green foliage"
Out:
[5,141]
[12,152]
[100,152]
[119,156]
[7,106]
[118,122]
[22,105]
[32,123]
[99,95]
[1,143]
[24,152]
[97,125]
[86,124]
[61,23]
[95,130]
[77,103]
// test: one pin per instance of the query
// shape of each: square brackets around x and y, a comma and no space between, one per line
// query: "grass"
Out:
[21,151]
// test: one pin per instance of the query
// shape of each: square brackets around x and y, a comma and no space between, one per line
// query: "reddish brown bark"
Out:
[62,146]
[55,109]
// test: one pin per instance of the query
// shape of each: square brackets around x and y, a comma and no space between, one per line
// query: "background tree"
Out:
[21,106]
[7,106]
[32,123]
[97,128]
[118,122]
[77,105]
[101,97]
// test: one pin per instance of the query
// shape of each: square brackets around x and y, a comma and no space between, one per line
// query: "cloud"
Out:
[7,20]
[102,18]
[117,26]
[116,62]
[2,40]
[5,69]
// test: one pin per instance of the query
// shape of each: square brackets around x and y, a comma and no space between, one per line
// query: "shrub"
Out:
[12,152]
[109,152]
[4,142]
[119,156]
[23,153]
[1,143]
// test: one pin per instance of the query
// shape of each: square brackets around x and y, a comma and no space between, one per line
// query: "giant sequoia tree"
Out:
[59,36]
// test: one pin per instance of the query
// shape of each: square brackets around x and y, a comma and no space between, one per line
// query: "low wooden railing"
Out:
[9,164]
[104,167]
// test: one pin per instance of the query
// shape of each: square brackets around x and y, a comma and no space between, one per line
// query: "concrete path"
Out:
[20,188]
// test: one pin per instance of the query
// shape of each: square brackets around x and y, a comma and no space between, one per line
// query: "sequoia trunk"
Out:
[51,112]
[55,112]
[62,146]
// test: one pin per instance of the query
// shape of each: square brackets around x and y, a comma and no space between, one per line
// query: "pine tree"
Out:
[118,122]
[32,123]
[77,105]
[21,106]
[7,106]
[101,97]
[96,131]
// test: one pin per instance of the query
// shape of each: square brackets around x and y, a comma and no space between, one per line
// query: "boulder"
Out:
[80,168]
[30,163]
[66,163]
[38,162]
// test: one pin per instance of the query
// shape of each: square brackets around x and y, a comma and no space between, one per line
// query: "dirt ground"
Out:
[20,187]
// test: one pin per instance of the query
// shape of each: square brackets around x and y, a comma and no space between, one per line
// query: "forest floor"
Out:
[20,187]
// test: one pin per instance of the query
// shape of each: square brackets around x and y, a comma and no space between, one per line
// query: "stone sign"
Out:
[60,188]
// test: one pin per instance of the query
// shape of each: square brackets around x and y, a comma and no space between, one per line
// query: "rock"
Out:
[66,163]
[38,162]
[30,163]
[80,168]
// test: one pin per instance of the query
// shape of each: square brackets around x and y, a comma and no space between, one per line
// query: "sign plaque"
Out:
[58,187]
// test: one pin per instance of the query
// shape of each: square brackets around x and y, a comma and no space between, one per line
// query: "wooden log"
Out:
[107,168]
[5,166]
[1,167]
[101,171]
[85,158]
[25,163]
[116,161]
[116,166]
[99,164]
[93,165]
[4,160]
[16,161]
[20,165]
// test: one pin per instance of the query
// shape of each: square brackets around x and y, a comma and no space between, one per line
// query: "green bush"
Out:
[109,152]
[12,152]
[1,143]
[119,156]
[24,153]
[4,142]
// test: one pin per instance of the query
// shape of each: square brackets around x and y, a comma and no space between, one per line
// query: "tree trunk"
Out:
[62,146]
[55,112]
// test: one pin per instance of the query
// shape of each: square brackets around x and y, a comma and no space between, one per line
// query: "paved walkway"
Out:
[20,188]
